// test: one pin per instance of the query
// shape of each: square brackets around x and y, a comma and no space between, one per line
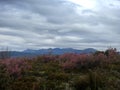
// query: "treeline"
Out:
[70,71]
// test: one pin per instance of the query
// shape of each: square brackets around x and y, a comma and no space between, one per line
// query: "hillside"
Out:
[70,71]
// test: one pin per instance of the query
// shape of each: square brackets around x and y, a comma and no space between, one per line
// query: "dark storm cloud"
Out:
[58,23]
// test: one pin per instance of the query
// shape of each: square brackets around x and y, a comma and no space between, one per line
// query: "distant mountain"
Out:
[55,51]
[89,50]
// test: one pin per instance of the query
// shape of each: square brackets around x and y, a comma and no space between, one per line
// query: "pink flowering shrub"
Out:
[75,61]
[15,67]
[88,61]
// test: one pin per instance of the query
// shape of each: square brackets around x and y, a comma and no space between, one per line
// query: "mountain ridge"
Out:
[54,51]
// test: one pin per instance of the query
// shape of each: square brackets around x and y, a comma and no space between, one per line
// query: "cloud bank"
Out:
[59,23]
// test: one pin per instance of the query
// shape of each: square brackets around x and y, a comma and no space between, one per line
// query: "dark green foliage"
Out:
[96,80]
[81,82]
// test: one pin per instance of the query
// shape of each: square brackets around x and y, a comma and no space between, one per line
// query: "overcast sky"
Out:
[79,24]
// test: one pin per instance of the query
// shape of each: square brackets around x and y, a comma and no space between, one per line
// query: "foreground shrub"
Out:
[81,82]
[15,67]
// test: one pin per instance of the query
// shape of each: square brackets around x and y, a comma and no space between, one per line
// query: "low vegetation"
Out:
[98,71]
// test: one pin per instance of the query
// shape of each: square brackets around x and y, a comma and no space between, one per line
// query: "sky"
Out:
[79,24]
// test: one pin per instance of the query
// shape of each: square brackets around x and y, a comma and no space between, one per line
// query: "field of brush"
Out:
[98,71]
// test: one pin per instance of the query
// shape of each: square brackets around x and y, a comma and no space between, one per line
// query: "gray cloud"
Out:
[58,23]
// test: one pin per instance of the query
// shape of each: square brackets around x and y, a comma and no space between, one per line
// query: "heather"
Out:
[70,71]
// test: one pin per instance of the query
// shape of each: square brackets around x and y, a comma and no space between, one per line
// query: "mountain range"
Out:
[54,51]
